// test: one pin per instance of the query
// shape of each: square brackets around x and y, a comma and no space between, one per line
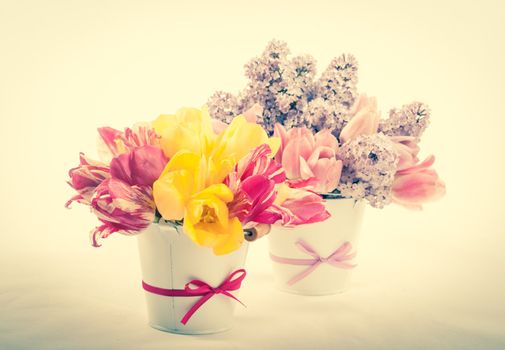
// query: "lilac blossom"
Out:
[290,93]
[410,120]
[369,167]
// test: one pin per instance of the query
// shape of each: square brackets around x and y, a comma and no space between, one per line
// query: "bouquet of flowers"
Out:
[216,182]
[269,156]
[333,140]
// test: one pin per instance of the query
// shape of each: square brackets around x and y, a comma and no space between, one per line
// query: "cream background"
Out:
[433,279]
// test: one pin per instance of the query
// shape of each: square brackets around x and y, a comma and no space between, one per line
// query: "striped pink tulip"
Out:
[85,178]
[112,142]
[121,208]
[253,183]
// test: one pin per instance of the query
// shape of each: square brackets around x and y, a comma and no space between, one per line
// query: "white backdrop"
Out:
[426,280]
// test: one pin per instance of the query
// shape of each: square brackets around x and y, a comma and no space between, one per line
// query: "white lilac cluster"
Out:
[369,166]
[410,120]
[289,92]
[225,106]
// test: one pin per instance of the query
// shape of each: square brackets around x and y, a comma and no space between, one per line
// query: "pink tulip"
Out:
[300,207]
[365,119]
[417,184]
[121,208]
[85,178]
[407,149]
[142,166]
[309,160]
[256,196]
[113,143]
[253,183]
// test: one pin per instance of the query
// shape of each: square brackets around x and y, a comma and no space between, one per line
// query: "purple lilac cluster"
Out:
[410,120]
[287,89]
[290,93]
[369,167]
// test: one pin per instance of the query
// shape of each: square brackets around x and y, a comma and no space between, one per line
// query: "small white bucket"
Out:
[170,260]
[297,271]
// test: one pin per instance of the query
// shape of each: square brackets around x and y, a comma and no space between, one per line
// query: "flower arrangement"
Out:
[333,140]
[229,171]
[216,181]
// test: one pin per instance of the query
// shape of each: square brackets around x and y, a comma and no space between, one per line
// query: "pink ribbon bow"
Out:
[197,288]
[338,259]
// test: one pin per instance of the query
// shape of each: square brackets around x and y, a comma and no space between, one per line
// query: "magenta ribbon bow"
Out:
[338,259]
[197,288]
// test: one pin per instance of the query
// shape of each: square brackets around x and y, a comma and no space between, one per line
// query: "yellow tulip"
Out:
[239,138]
[207,221]
[189,129]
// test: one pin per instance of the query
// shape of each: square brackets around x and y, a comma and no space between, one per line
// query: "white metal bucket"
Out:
[169,260]
[324,238]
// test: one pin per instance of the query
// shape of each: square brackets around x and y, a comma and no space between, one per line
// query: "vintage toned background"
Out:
[426,280]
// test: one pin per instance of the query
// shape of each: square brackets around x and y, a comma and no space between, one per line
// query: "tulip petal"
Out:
[146,163]
[189,129]
[239,139]
[109,144]
[326,139]
[365,120]
[423,165]
[327,171]
[252,114]
[171,193]
[260,191]
[305,171]
[281,133]
[295,149]
[231,240]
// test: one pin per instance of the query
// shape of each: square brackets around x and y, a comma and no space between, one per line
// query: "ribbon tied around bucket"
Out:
[339,258]
[200,288]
